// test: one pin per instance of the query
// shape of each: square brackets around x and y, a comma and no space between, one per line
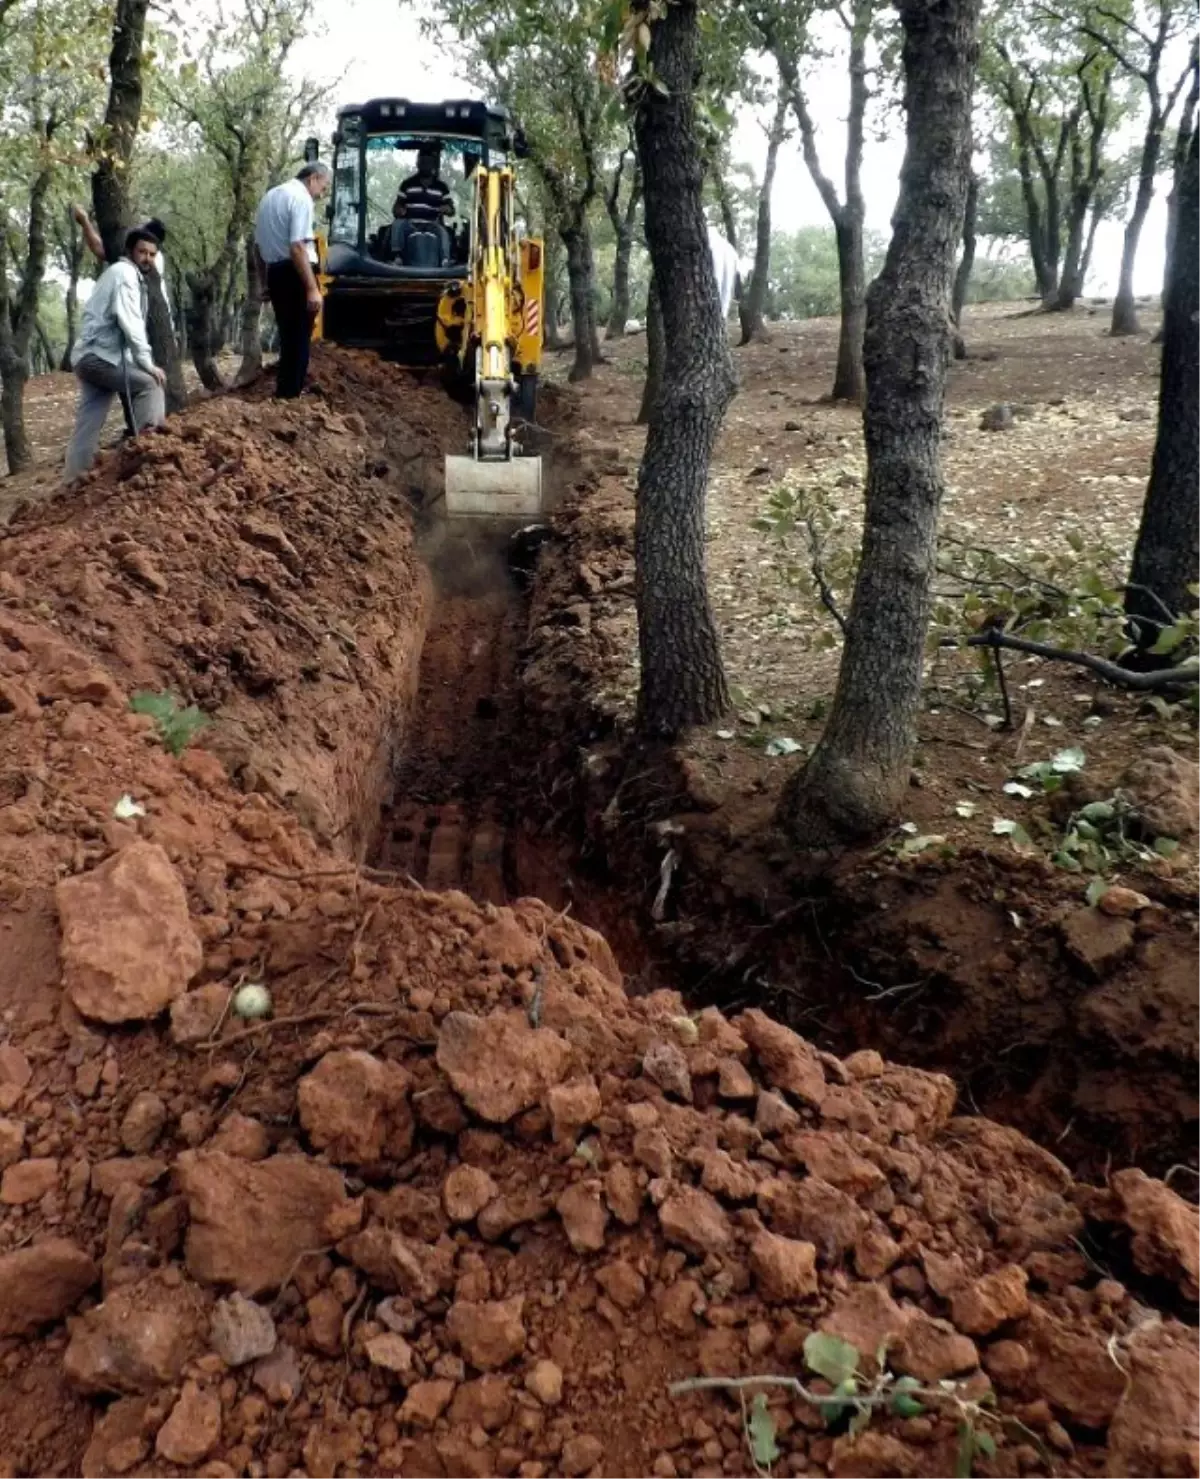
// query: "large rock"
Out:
[1154,1429]
[1165,790]
[356,1108]
[250,1221]
[138,1340]
[193,1429]
[42,1283]
[1074,1371]
[128,947]
[693,1220]
[788,1062]
[499,1065]
[1166,1229]
[489,1334]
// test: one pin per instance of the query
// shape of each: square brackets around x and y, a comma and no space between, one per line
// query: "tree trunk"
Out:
[589,273]
[966,263]
[71,306]
[251,325]
[163,344]
[18,320]
[848,377]
[578,254]
[114,148]
[1124,314]
[682,677]
[204,334]
[14,375]
[1166,557]
[554,265]
[656,354]
[618,313]
[859,773]
[1178,163]
[750,309]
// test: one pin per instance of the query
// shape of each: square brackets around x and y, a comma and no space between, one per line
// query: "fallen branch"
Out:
[1185,673]
[817,567]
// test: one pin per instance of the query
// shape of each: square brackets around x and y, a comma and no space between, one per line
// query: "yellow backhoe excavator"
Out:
[424,262]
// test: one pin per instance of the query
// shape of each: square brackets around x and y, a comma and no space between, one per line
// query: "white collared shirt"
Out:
[285,217]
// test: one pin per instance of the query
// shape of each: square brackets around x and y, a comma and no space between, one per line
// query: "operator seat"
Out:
[419,243]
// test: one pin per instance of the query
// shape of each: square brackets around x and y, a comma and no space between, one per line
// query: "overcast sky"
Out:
[379,47]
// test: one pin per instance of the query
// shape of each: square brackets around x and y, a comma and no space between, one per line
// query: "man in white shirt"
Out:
[112,353]
[286,243]
[725,268]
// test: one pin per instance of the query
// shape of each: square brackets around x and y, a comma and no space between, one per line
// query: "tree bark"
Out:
[554,268]
[18,318]
[750,309]
[251,325]
[1178,163]
[966,264]
[682,676]
[656,354]
[113,151]
[1124,314]
[580,279]
[859,773]
[163,344]
[848,215]
[623,221]
[204,332]
[589,274]
[1166,557]
[1087,170]
[71,308]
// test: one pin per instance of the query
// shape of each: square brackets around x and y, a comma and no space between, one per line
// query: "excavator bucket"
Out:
[494,488]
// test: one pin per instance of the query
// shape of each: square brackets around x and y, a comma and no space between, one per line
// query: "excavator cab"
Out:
[425,264]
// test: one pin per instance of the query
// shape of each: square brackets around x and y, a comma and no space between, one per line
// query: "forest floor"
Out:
[514,1184]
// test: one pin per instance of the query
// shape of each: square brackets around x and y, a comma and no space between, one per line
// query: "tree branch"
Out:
[1185,673]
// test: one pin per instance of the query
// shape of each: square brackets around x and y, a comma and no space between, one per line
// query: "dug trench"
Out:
[463,1204]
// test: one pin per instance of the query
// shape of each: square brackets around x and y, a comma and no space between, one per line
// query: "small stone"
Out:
[664,1466]
[664,1063]
[466,1191]
[144,1122]
[622,1194]
[196,1015]
[572,1107]
[1123,902]
[193,1429]
[997,418]
[734,1081]
[865,1064]
[425,1403]
[15,1069]
[392,1353]
[783,1268]
[242,1137]
[773,1115]
[790,1063]
[489,1334]
[128,1344]
[580,1455]
[545,1381]
[933,1350]
[241,1330]
[725,1177]
[42,1283]
[12,1141]
[1098,942]
[584,1218]
[691,1219]
[278,1375]
[28,1181]
[623,1284]
[991,1301]
[652,1149]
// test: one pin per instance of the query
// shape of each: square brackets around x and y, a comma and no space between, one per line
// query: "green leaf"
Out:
[159,706]
[913,845]
[965,1457]
[761,1428]
[905,1406]
[1017,835]
[1169,639]
[831,1357]
[1166,847]
[1096,891]
[1066,761]
[985,1444]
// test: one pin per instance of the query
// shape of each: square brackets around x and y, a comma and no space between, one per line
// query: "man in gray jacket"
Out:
[112,353]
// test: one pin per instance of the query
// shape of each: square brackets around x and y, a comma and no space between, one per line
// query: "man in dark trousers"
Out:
[286,243]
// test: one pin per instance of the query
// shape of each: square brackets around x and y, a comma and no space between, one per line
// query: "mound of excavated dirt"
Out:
[460,1206]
